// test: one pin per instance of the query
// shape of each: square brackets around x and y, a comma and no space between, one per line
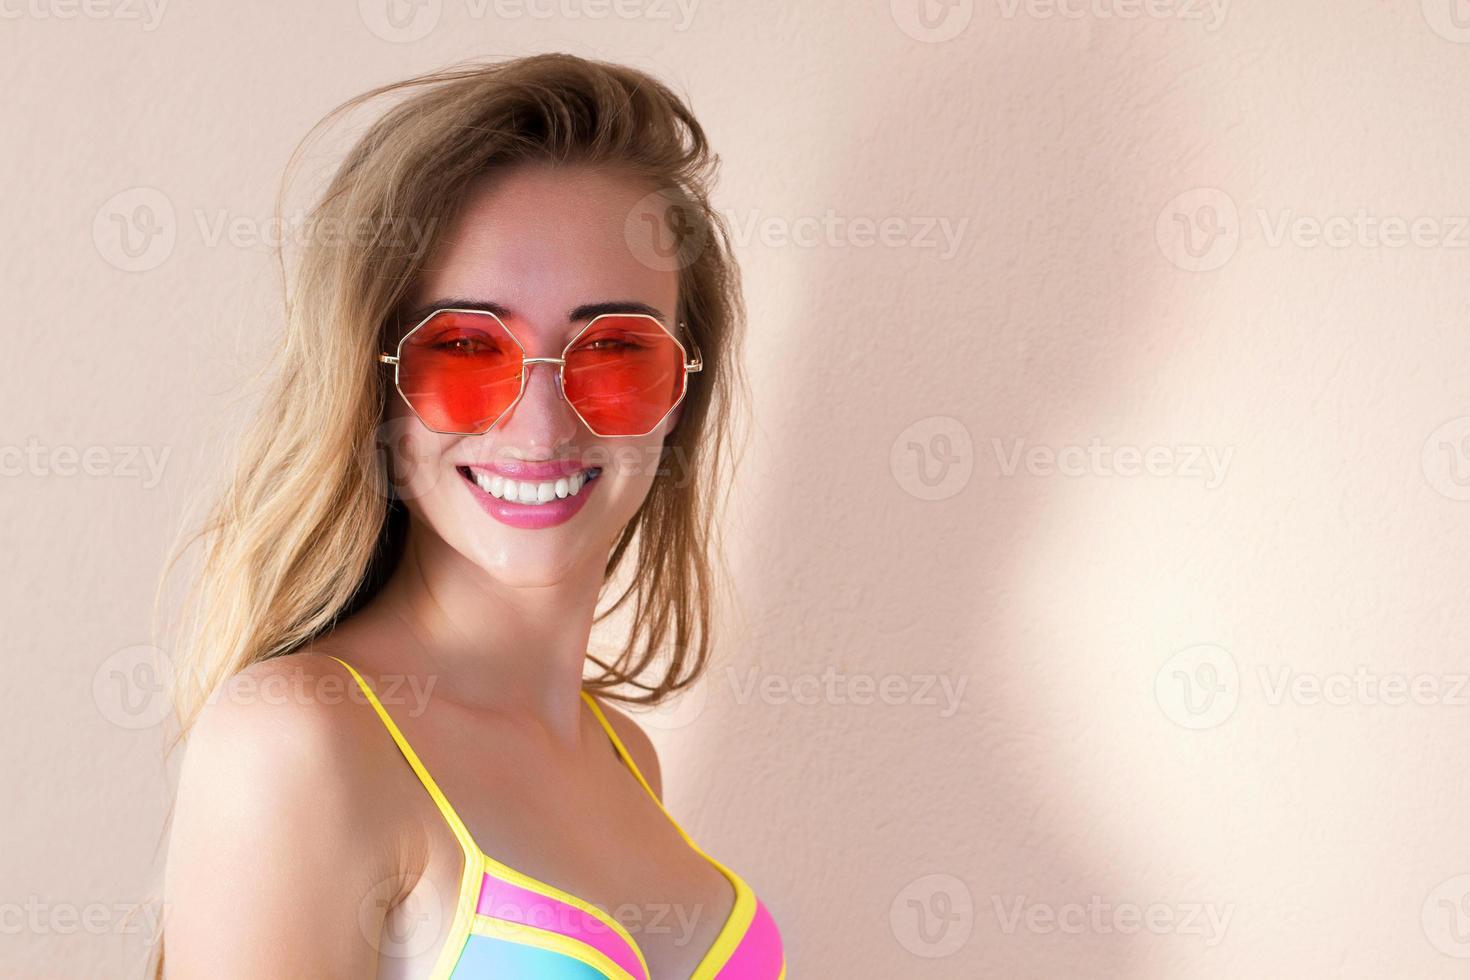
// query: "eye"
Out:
[611,344]
[463,344]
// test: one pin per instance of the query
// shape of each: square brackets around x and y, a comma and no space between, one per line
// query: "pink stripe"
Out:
[512,903]
[759,955]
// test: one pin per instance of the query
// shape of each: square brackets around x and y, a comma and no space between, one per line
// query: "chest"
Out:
[566,845]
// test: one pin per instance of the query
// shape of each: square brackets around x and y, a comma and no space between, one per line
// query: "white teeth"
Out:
[527,492]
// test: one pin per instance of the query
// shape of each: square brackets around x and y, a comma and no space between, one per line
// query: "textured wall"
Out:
[1101,547]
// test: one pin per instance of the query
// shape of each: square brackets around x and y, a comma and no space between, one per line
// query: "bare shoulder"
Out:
[638,744]
[296,709]
[275,821]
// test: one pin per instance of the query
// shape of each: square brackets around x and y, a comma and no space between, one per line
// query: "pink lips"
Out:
[531,516]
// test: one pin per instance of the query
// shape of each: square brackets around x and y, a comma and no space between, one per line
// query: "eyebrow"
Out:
[576,315]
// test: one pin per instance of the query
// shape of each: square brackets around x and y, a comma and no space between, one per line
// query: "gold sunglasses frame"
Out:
[691,366]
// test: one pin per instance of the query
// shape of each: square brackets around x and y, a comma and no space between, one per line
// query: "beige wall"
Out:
[1207,631]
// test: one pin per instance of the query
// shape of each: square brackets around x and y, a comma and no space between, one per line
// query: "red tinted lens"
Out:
[623,375]
[460,371]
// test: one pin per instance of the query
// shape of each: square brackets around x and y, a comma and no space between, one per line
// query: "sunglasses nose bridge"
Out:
[553,363]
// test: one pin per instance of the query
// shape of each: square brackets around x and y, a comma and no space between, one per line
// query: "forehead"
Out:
[543,239]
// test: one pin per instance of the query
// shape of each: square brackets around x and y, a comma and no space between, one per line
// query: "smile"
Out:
[532,491]
[530,504]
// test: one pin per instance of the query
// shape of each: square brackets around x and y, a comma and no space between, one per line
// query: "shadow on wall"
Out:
[869,829]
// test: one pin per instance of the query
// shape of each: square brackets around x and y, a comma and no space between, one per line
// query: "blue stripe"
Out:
[484,958]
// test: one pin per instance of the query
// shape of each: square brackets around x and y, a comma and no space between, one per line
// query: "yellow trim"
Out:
[741,913]
[529,935]
[472,873]
[551,891]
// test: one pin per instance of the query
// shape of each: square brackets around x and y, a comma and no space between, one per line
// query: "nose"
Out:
[541,420]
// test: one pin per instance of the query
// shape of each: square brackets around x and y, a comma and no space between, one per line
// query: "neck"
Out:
[514,649]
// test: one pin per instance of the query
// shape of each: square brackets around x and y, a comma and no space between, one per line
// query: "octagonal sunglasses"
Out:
[461,371]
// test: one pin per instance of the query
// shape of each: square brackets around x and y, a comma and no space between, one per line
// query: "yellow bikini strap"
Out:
[628,761]
[450,817]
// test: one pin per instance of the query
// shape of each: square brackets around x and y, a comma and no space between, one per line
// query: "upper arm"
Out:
[639,746]
[271,870]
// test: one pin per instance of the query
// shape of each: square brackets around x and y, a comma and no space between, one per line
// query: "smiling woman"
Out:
[469,437]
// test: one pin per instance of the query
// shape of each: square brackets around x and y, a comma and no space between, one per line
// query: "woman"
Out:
[396,767]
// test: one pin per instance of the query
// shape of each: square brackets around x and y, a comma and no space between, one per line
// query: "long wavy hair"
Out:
[307,528]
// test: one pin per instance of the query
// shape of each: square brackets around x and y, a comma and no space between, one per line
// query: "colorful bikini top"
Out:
[508,924]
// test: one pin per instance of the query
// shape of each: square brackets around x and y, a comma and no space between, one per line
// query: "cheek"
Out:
[416,458]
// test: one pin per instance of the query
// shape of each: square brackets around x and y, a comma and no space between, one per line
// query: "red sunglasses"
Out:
[461,371]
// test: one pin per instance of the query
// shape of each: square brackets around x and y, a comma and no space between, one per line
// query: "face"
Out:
[547,246]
